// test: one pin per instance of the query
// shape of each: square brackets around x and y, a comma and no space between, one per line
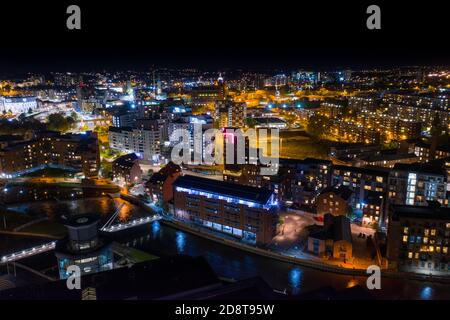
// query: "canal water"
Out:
[228,262]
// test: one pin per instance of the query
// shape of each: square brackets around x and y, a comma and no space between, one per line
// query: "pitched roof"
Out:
[341,191]
[336,228]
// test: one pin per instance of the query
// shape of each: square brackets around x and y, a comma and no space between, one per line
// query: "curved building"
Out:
[83,246]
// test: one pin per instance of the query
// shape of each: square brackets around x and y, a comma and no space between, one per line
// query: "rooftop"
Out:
[435,168]
[258,195]
[341,191]
[126,160]
[371,171]
[432,212]
[336,228]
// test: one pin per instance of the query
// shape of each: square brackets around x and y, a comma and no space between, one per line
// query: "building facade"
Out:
[416,184]
[334,200]
[419,239]
[126,169]
[52,149]
[246,213]
[160,185]
[146,144]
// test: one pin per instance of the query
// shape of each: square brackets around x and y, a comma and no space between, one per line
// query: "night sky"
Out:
[229,34]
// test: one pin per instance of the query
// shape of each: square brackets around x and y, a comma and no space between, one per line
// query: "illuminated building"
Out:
[362,103]
[206,95]
[334,200]
[83,247]
[352,151]
[67,79]
[231,114]
[160,185]
[304,179]
[144,143]
[126,169]
[52,149]
[373,209]
[276,81]
[424,151]
[361,181]
[244,212]
[387,159]
[124,118]
[333,239]
[416,184]
[270,122]
[419,239]
[18,105]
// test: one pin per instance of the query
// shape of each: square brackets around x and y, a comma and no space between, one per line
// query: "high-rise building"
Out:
[231,114]
[146,144]
[416,184]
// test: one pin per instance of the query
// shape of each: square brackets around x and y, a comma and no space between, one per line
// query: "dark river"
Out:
[230,262]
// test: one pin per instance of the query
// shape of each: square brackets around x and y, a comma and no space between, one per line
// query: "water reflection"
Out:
[295,279]
[426,293]
[181,241]
[156,227]
[229,262]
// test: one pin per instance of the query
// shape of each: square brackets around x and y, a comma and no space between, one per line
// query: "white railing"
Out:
[28,252]
[131,224]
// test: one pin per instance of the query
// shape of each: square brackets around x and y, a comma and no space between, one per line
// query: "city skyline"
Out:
[197,151]
[15,60]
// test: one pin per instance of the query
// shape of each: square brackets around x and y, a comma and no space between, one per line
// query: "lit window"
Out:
[426,232]
[433,232]
[444,250]
[410,255]
[425,239]
[405,238]
[405,230]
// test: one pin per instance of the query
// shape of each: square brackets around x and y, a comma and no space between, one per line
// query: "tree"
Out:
[250,122]
[318,125]
[30,111]
[58,122]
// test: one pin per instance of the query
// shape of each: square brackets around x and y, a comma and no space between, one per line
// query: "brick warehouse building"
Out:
[244,212]
[52,149]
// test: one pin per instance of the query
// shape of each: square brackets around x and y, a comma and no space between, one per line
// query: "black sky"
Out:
[233,34]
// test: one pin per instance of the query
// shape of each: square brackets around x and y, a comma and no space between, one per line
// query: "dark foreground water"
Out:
[230,262]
